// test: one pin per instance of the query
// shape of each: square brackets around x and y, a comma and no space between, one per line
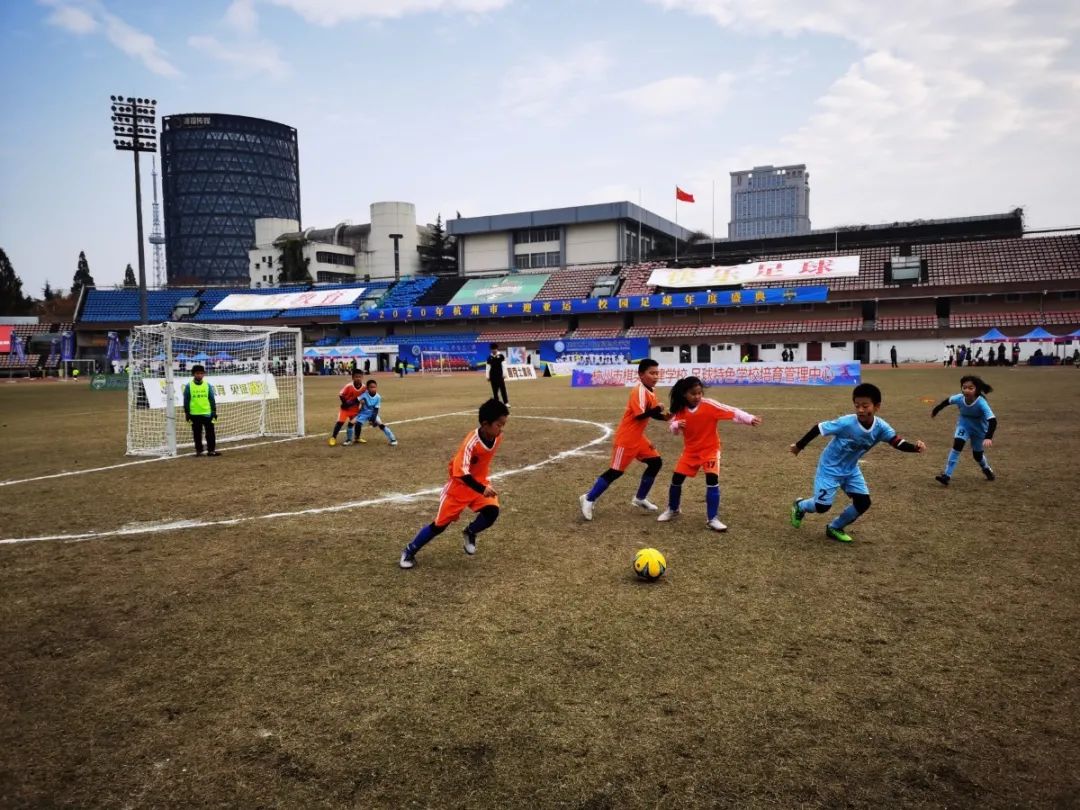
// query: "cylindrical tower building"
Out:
[219,174]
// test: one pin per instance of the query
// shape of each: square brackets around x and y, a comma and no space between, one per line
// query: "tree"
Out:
[82,276]
[294,265]
[438,253]
[12,300]
[47,292]
[129,277]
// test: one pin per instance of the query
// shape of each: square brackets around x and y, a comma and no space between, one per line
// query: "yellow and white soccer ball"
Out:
[649,564]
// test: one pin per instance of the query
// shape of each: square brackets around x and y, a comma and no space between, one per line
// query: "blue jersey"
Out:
[976,416]
[850,442]
[369,404]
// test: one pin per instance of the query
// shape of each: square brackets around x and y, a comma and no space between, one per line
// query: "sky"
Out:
[911,109]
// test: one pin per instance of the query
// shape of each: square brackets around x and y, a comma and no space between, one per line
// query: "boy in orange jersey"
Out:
[696,417]
[630,442]
[469,485]
[350,407]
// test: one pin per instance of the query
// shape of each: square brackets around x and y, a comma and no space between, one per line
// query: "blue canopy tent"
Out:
[993,336]
[223,356]
[1038,333]
[201,356]
[1074,335]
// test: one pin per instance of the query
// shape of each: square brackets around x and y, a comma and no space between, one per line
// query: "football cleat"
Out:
[346,443]
[797,514]
[839,535]
[407,560]
[988,473]
[361,440]
[667,515]
[393,443]
[942,479]
[646,504]
[470,542]
[586,507]
[716,525]
[331,441]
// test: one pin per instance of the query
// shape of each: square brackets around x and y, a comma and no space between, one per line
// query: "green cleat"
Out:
[838,535]
[797,514]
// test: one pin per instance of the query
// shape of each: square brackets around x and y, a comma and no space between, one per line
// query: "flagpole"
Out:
[712,249]
[639,224]
[676,224]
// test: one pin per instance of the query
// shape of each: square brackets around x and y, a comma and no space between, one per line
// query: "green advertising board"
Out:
[109,382]
[500,290]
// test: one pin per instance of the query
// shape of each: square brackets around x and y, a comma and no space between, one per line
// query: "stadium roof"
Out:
[575,215]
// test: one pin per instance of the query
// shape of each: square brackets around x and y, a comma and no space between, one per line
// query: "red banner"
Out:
[5,339]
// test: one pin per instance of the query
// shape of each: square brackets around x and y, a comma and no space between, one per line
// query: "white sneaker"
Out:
[716,525]
[393,443]
[407,560]
[470,543]
[646,504]
[667,515]
[586,507]
[346,443]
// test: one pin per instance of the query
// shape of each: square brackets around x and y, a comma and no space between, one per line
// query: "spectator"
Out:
[892,357]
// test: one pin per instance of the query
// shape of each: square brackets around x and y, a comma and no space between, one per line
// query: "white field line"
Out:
[152,528]
[189,455]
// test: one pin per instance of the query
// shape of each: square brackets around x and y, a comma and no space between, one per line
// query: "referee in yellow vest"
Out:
[200,409]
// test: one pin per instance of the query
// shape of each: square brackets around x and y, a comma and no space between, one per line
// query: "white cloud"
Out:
[950,109]
[678,94]
[332,12]
[555,86]
[73,19]
[248,57]
[241,16]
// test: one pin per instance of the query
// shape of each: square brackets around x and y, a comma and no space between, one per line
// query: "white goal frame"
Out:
[439,368]
[257,371]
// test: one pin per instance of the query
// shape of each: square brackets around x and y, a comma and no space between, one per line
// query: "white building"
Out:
[345,252]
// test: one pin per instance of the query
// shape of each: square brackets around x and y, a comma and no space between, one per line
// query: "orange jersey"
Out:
[350,393]
[631,431]
[699,426]
[473,458]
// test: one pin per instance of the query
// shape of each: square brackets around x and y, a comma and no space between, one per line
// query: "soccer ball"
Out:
[649,564]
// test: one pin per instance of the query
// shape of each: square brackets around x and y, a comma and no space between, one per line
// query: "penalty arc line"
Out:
[606,432]
[191,455]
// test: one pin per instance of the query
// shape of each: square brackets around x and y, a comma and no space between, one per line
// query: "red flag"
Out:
[683,195]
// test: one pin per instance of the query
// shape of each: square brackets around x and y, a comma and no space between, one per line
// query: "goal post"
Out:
[436,362]
[257,373]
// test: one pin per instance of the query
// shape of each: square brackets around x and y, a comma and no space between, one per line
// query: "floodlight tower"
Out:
[135,128]
[157,238]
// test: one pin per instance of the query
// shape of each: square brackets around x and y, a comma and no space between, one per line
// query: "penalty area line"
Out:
[605,434]
[191,455]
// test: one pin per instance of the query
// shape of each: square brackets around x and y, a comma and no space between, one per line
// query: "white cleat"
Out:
[393,443]
[667,515]
[470,543]
[407,560]
[716,525]
[646,504]
[586,507]
[346,443]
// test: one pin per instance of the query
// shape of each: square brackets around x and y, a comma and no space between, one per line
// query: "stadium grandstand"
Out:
[971,274]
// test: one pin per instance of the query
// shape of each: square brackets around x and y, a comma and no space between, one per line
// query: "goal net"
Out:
[438,362]
[256,372]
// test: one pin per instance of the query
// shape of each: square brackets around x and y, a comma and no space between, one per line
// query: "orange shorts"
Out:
[456,498]
[689,465]
[622,456]
[347,414]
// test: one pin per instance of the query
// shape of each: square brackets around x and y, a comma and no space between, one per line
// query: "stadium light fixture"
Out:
[135,130]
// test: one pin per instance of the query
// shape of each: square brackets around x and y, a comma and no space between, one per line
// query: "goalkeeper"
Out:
[200,409]
[350,407]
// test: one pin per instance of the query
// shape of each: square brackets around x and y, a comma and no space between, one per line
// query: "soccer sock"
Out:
[349,433]
[598,489]
[807,505]
[845,517]
[423,537]
[645,486]
[950,465]
[480,522]
[674,497]
[712,501]
[388,433]
[337,428]
[984,462]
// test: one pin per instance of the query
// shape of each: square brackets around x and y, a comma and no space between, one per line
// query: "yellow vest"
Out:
[199,398]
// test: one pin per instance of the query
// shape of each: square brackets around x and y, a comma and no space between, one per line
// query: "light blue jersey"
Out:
[974,419]
[368,405]
[838,467]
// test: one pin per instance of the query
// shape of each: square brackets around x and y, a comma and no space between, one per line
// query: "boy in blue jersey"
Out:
[370,402]
[838,467]
[977,423]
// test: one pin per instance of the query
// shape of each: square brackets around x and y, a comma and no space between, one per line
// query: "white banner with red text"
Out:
[820,269]
[848,373]
[246,302]
[227,388]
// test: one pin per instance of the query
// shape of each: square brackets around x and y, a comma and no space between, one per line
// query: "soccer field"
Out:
[235,631]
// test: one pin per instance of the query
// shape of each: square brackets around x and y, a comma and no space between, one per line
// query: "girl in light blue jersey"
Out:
[976,423]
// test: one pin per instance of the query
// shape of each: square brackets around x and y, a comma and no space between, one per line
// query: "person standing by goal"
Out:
[495,374]
[200,409]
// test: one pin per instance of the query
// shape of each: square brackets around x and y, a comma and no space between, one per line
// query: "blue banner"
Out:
[113,351]
[475,354]
[660,302]
[716,375]
[594,351]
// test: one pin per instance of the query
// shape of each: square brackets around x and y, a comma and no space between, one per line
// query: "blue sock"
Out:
[389,433]
[349,433]
[845,517]
[480,523]
[712,501]
[423,537]
[950,465]
[674,497]
[598,489]
[644,487]
[808,505]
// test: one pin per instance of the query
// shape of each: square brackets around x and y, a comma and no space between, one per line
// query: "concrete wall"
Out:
[486,252]
[388,218]
[596,242]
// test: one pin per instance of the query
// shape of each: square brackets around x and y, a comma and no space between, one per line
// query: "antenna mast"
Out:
[156,237]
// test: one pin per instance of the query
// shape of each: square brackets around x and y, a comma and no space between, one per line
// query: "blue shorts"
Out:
[826,484]
[969,433]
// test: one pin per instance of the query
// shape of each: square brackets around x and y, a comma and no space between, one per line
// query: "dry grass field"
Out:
[273,654]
